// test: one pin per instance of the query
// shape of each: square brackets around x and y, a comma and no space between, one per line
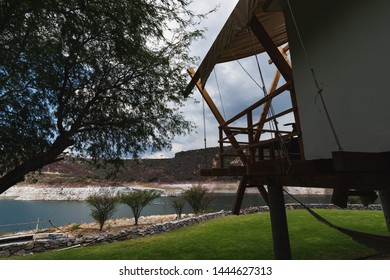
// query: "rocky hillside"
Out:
[184,166]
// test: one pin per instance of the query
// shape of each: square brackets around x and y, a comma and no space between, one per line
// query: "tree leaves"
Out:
[104,75]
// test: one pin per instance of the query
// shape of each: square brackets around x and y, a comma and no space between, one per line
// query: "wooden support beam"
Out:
[271,48]
[360,162]
[240,195]
[244,184]
[385,201]
[218,116]
[340,193]
[264,194]
[285,49]
[207,98]
[366,197]
[278,216]
[274,85]
[262,101]
[285,112]
[267,106]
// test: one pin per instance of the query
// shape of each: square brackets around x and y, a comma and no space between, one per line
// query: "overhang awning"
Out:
[236,40]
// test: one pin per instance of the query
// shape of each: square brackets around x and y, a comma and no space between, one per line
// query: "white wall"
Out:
[348,44]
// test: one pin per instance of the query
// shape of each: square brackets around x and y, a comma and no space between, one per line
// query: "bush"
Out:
[138,200]
[199,198]
[178,205]
[74,227]
[103,208]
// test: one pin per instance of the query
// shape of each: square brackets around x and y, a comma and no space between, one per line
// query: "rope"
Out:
[219,92]
[314,76]
[204,132]
[271,113]
[258,66]
[378,242]
[249,75]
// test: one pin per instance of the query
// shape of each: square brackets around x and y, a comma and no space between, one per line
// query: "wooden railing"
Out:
[251,144]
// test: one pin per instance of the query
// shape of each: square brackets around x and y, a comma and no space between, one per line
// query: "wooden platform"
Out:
[347,173]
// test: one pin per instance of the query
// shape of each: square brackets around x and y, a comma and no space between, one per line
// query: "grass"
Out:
[241,237]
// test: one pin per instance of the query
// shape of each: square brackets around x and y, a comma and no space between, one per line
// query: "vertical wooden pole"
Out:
[252,151]
[279,226]
[385,201]
[221,149]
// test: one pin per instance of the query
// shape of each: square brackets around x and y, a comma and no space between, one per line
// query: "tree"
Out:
[199,198]
[103,208]
[178,205]
[99,78]
[138,200]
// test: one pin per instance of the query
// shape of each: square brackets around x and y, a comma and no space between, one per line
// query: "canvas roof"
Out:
[236,39]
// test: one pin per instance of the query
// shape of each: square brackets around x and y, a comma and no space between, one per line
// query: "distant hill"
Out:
[184,166]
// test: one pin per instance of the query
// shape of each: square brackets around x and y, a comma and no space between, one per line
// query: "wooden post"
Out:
[221,149]
[279,226]
[252,151]
[385,201]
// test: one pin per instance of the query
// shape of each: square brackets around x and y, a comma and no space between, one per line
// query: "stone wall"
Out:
[58,241]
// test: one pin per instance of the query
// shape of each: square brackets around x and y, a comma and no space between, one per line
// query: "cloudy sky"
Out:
[228,82]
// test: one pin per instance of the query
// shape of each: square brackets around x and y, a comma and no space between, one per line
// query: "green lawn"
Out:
[242,237]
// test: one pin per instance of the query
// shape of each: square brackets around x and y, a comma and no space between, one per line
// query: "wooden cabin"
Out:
[338,81]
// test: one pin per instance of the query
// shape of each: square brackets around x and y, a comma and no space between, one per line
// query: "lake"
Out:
[18,215]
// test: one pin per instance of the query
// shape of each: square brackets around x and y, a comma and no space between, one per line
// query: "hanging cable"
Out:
[273,125]
[219,91]
[204,132]
[271,112]
[249,75]
[319,89]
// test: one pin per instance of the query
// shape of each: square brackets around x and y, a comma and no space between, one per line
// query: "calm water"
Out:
[67,212]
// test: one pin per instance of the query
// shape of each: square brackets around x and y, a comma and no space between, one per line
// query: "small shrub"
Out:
[178,205]
[199,198]
[354,199]
[103,208]
[74,227]
[138,200]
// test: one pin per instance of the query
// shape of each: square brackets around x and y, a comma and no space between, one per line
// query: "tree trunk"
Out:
[17,174]
[385,201]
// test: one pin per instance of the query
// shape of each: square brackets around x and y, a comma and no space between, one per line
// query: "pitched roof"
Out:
[236,40]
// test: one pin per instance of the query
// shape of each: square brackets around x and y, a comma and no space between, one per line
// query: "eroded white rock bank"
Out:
[32,192]
[65,193]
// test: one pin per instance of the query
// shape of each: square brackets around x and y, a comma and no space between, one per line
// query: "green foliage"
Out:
[104,78]
[178,205]
[75,227]
[199,198]
[245,237]
[103,208]
[137,200]
[354,199]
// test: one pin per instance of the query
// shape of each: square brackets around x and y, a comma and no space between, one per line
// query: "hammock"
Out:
[378,242]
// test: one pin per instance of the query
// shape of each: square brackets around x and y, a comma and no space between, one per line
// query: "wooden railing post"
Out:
[221,148]
[252,151]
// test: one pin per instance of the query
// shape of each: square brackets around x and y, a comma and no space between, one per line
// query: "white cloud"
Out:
[237,89]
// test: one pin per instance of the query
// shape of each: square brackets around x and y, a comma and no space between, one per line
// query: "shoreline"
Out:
[80,193]
[67,238]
